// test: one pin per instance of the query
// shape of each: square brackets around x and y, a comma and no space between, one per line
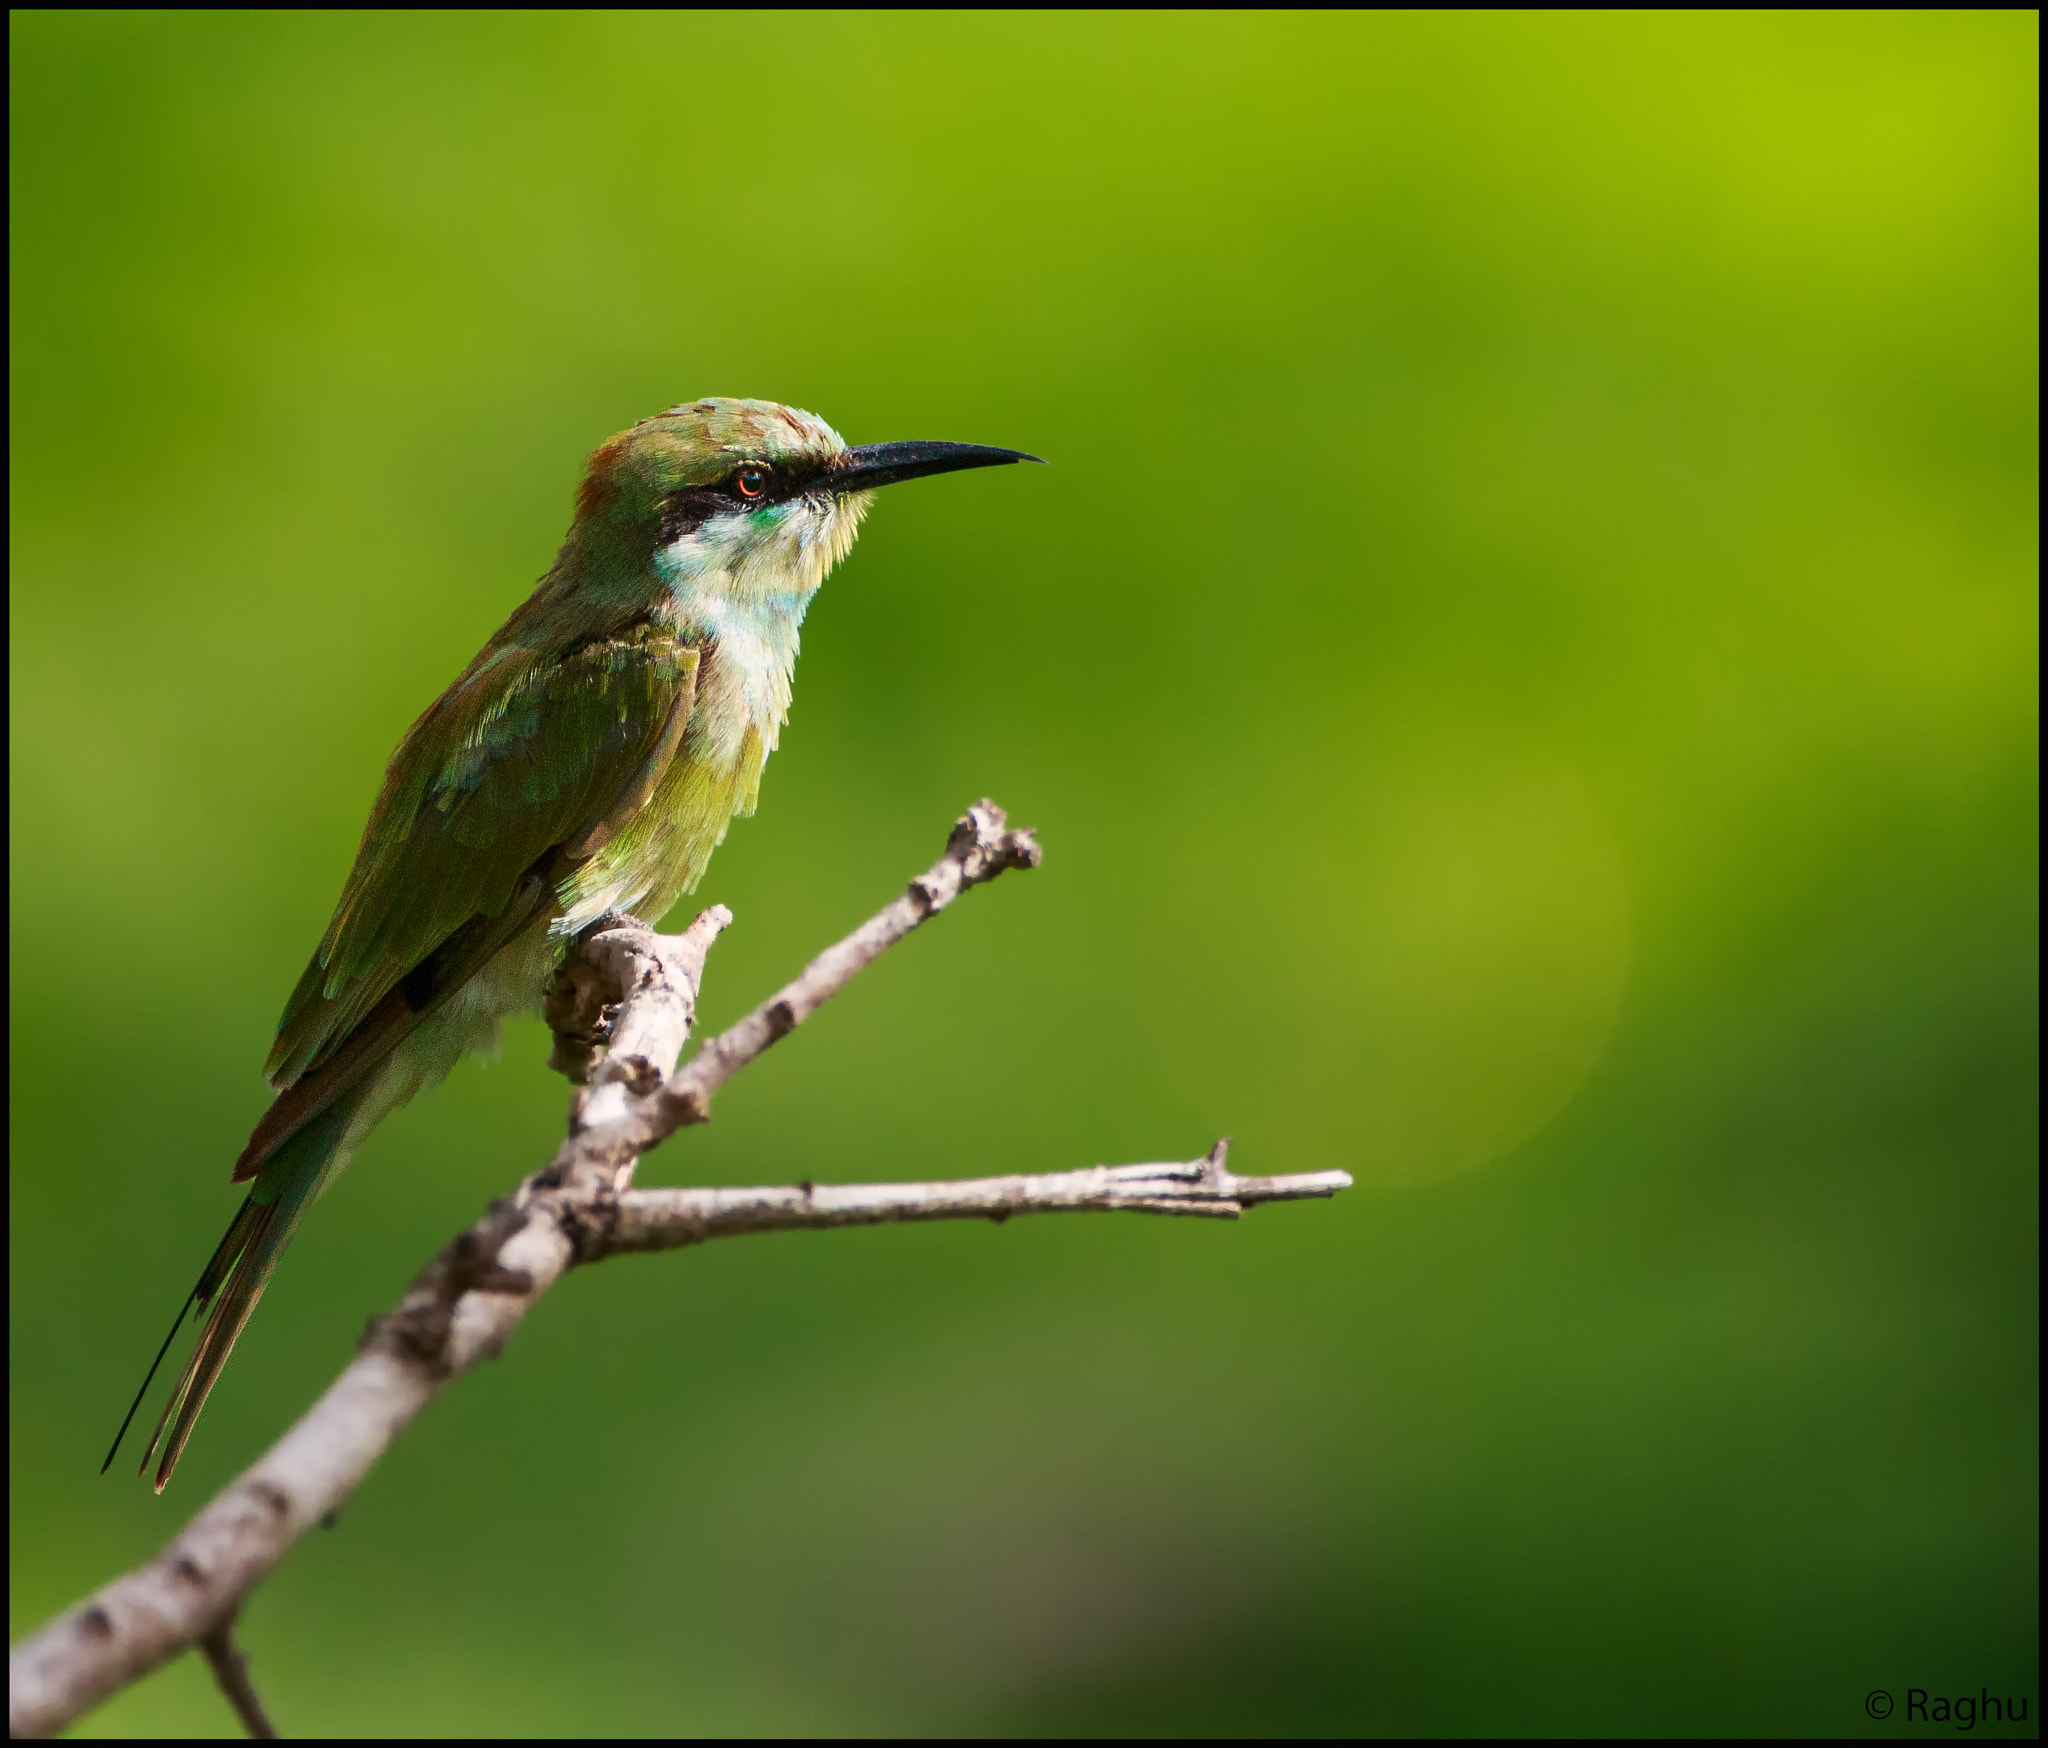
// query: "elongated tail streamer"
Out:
[235,1276]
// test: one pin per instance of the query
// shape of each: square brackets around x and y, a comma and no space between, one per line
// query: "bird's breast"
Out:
[743,683]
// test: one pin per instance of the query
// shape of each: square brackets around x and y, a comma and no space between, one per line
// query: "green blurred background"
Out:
[1524,668]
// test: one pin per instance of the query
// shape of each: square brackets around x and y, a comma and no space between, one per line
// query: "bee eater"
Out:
[589,759]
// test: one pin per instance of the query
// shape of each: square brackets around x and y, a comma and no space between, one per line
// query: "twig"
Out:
[978,850]
[665,1219]
[230,1666]
[621,1012]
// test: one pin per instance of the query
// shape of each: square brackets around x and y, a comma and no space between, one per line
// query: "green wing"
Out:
[522,761]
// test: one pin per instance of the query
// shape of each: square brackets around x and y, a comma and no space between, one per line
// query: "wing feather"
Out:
[512,762]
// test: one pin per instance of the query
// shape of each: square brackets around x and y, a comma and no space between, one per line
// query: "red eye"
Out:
[751,481]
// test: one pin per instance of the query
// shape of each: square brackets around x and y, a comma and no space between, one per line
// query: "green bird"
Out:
[589,759]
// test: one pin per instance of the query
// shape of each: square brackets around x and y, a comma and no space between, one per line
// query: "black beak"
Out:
[883,464]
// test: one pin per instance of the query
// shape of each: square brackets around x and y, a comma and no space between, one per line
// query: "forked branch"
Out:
[621,1011]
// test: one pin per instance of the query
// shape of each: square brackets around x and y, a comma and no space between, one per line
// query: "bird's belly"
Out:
[511,982]
[662,852]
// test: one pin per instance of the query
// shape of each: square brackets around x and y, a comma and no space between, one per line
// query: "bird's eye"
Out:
[751,482]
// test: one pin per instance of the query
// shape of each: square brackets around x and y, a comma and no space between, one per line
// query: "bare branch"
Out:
[664,1219]
[230,1666]
[621,1012]
[980,848]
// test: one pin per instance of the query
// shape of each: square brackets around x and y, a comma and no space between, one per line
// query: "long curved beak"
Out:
[883,464]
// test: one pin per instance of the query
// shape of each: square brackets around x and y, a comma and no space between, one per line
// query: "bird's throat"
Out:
[741,584]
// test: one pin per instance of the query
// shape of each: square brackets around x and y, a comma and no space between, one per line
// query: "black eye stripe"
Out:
[685,511]
[776,483]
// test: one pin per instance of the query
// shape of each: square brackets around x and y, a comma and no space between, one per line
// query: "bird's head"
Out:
[749,497]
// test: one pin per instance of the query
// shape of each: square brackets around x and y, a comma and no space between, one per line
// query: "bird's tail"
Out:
[236,1274]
